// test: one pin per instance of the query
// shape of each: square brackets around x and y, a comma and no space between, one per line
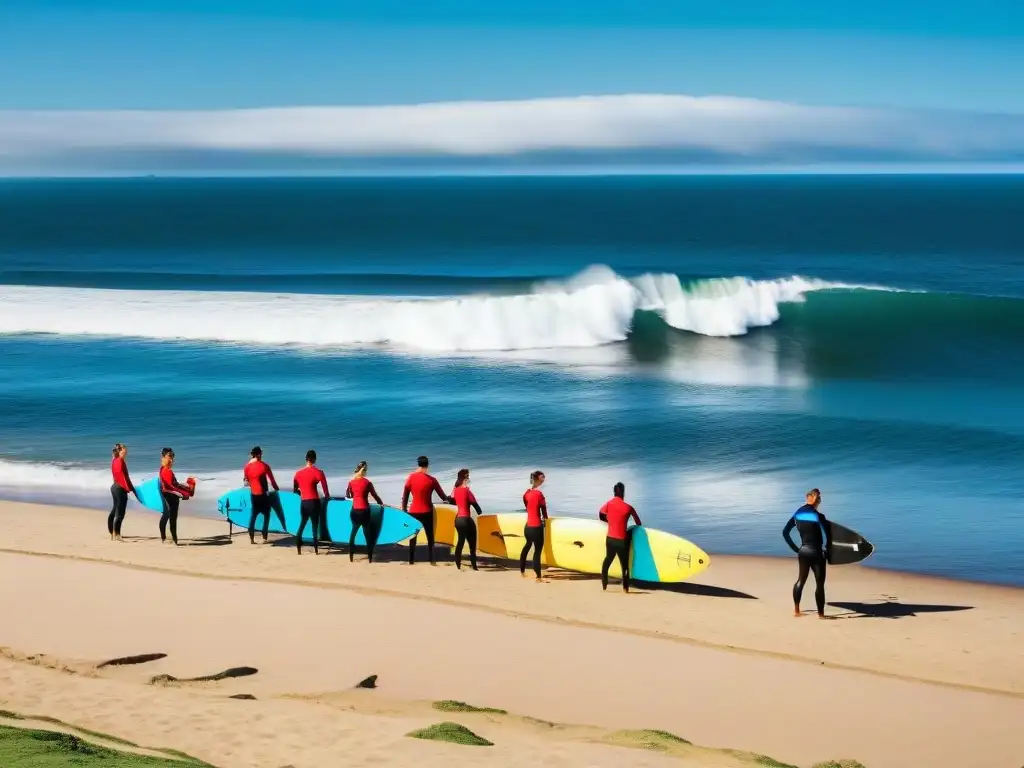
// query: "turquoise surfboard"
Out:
[150,496]
[393,525]
[236,506]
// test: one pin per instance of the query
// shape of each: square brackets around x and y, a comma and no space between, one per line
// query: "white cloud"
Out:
[741,129]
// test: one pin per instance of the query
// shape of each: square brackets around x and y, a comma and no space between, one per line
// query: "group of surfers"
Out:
[310,483]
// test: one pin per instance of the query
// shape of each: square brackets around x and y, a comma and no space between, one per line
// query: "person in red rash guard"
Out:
[422,486]
[119,490]
[173,492]
[465,527]
[360,489]
[258,475]
[536,515]
[310,506]
[617,513]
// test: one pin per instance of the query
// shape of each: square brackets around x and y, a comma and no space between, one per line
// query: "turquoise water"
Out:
[719,344]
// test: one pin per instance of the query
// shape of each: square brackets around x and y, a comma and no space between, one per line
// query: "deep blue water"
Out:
[720,344]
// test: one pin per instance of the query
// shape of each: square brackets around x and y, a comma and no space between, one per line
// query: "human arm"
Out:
[273,482]
[323,484]
[787,534]
[440,492]
[295,483]
[405,496]
[826,535]
[348,490]
[473,503]
[602,513]
[373,492]
[634,515]
[127,479]
[543,507]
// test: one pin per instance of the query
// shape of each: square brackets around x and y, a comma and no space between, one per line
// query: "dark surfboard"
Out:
[847,546]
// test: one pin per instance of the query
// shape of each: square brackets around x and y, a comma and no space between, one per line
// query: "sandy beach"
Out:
[907,671]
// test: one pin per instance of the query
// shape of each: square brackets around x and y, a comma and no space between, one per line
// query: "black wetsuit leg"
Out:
[425,519]
[114,520]
[360,519]
[260,506]
[534,536]
[807,564]
[615,548]
[170,515]
[309,511]
[465,527]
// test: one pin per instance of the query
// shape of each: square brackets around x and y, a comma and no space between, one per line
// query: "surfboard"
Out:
[579,545]
[393,525]
[150,496]
[444,527]
[848,546]
[236,506]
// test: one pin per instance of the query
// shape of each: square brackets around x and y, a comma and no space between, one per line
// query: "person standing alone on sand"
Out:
[256,475]
[173,492]
[311,508]
[616,512]
[422,486]
[465,528]
[120,489]
[812,554]
[536,515]
[360,489]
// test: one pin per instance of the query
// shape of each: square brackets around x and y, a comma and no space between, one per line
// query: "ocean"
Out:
[718,343]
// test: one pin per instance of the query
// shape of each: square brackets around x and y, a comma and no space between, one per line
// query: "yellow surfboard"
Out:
[579,545]
[444,527]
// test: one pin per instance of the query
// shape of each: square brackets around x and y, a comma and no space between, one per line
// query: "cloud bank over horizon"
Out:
[635,128]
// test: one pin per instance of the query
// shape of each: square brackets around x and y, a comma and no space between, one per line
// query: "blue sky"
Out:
[214,54]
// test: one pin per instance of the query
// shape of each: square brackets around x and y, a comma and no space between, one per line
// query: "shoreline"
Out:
[29,500]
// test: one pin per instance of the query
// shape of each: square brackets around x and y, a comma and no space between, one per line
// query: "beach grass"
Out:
[51,749]
[659,741]
[839,764]
[453,733]
[449,705]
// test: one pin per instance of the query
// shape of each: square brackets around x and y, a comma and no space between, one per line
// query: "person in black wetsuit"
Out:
[812,554]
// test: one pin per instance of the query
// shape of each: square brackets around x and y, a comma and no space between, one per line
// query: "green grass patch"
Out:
[453,733]
[771,762]
[25,748]
[86,731]
[448,705]
[659,741]
[839,764]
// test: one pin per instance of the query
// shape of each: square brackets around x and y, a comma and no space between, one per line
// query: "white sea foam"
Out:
[592,309]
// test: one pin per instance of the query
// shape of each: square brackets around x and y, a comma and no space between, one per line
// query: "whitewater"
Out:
[594,308]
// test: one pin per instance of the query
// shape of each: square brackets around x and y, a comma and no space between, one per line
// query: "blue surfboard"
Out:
[150,496]
[236,506]
[391,524]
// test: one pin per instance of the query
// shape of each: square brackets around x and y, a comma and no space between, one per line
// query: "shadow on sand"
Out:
[893,609]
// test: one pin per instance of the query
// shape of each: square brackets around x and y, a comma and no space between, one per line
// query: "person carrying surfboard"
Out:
[812,554]
[422,486]
[256,475]
[311,508]
[617,513]
[536,515]
[173,492]
[360,489]
[119,490]
[465,528]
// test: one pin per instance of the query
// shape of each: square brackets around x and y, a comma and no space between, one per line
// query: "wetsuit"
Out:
[256,475]
[812,553]
[617,513]
[310,507]
[465,528]
[536,514]
[360,490]
[120,489]
[173,492]
[422,487]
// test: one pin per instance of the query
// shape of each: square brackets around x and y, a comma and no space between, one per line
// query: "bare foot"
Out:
[796,613]
[541,580]
[822,616]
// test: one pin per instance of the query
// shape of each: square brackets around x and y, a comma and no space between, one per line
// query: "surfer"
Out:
[616,512]
[465,528]
[422,486]
[536,515]
[120,489]
[360,489]
[812,554]
[173,492]
[256,475]
[311,508]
